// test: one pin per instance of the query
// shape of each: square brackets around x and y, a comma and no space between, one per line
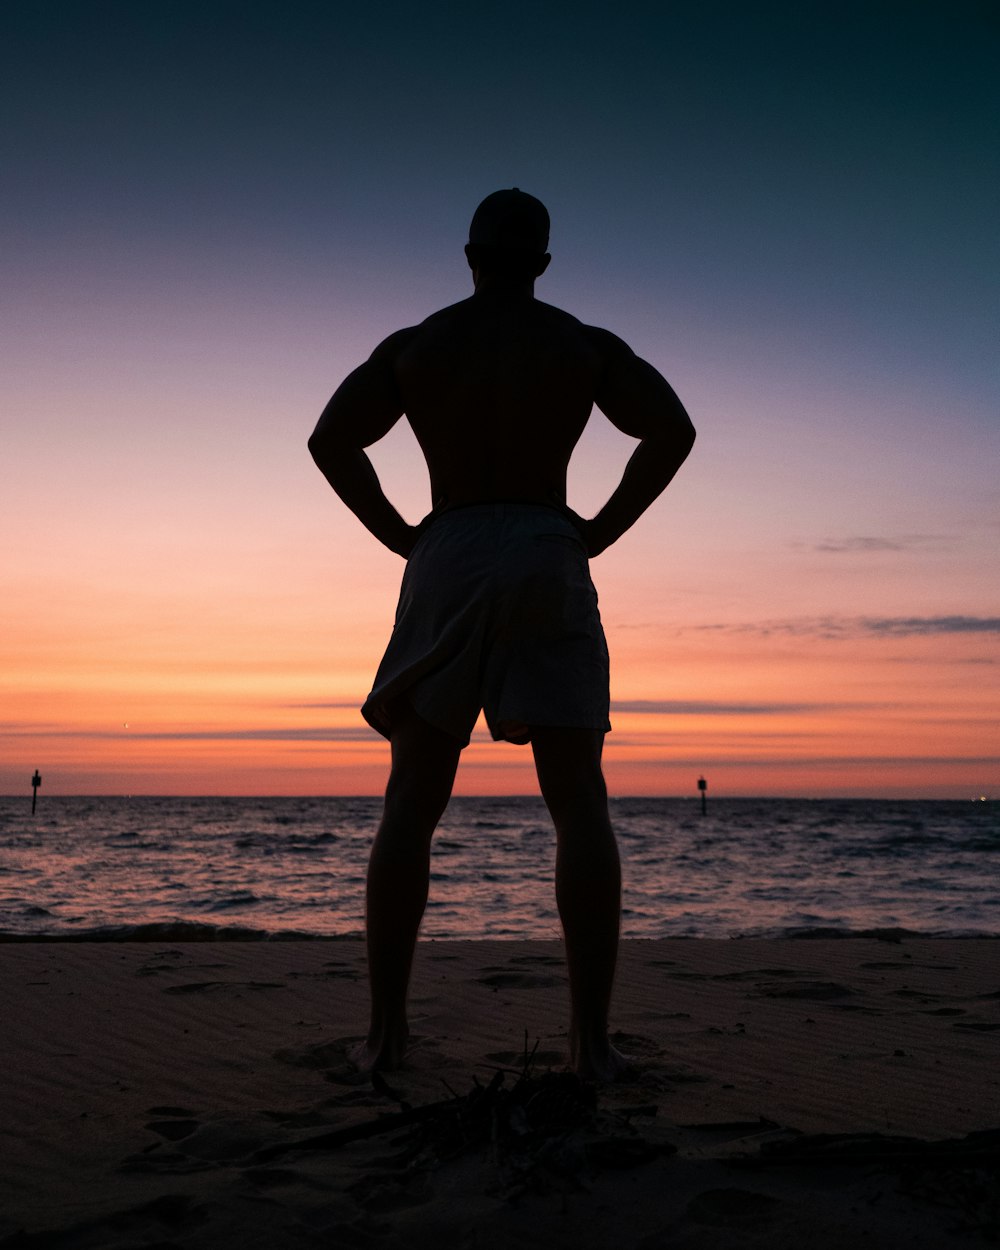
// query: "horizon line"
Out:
[612,798]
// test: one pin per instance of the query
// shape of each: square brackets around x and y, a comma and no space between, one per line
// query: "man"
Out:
[497,610]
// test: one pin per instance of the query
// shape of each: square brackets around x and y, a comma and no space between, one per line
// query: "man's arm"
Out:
[640,402]
[364,407]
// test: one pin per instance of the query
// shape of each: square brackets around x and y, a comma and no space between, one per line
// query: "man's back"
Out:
[498,391]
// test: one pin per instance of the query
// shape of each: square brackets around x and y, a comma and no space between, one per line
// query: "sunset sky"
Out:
[212,211]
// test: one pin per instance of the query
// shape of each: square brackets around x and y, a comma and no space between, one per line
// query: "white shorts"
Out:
[496,611]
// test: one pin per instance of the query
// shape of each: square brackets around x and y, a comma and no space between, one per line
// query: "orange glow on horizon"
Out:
[851,720]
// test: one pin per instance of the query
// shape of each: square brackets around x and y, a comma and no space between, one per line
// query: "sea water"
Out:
[255,867]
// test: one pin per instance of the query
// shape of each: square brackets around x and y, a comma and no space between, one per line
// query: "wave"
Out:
[176,931]
[884,935]
[190,931]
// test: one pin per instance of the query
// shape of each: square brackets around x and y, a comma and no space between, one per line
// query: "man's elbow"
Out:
[676,438]
[315,443]
[324,447]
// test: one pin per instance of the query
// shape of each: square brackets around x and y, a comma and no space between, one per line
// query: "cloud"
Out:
[848,627]
[859,544]
[705,707]
[868,543]
[884,763]
[901,626]
[331,703]
[308,733]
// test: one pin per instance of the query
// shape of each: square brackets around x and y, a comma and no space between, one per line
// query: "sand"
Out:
[165,1095]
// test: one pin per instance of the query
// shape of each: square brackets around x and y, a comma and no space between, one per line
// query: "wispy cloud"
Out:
[858,544]
[862,544]
[308,733]
[330,703]
[705,707]
[847,627]
[898,626]
[883,763]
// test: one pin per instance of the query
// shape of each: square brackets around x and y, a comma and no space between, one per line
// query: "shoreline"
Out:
[144,1077]
[196,931]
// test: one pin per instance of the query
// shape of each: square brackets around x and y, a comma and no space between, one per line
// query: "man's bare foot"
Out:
[601,1062]
[383,1053]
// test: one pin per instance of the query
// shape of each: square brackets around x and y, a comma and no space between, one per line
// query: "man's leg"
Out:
[588,887]
[424,761]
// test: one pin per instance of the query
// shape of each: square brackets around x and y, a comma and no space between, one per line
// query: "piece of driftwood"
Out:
[540,1130]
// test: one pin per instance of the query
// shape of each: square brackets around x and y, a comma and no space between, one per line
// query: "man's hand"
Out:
[594,535]
[407,541]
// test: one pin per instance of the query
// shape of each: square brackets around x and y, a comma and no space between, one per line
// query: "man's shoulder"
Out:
[610,345]
[399,340]
[604,341]
[390,347]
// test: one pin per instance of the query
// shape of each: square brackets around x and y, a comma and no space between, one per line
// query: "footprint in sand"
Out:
[314,1117]
[505,980]
[201,1143]
[207,987]
[193,987]
[335,1058]
[751,974]
[338,968]
[548,961]
[814,991]
[173,1130]
[635,1045]
[328,1057]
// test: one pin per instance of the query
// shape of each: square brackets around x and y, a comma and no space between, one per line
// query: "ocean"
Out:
[189,868]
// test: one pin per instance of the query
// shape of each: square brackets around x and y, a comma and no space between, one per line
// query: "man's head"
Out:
[508,237]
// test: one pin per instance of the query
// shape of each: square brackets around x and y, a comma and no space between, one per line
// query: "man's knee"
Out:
[415,796]
[570,776]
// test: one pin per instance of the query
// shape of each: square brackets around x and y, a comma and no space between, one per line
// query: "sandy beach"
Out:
[165,1095]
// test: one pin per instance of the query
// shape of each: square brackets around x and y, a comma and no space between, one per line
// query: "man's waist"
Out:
[498,507]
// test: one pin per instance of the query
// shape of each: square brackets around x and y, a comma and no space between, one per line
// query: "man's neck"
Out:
[492,287]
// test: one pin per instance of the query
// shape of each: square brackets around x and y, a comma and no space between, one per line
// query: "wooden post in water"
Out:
[36,781]
[703,787]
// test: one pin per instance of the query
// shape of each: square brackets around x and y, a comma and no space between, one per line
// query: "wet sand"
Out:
[165,1095]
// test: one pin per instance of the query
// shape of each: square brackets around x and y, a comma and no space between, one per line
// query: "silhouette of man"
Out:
[497,610]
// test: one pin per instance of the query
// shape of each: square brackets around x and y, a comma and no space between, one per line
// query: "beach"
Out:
[165,1093]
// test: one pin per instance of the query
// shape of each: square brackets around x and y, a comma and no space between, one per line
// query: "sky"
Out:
[213,211]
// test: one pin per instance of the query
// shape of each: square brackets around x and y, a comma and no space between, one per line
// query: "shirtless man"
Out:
[497,610]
